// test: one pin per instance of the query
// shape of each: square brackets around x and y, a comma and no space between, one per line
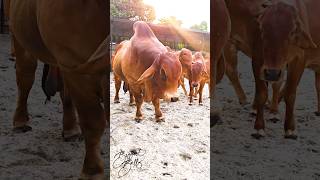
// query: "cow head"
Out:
[185,57]
[161,79]
[284,34]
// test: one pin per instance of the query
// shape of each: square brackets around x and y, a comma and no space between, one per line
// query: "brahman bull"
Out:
[71,35]
[151,71]
[290,39]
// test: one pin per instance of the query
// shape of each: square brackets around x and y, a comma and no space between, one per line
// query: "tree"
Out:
[203,26]
[171,20]
[132,10]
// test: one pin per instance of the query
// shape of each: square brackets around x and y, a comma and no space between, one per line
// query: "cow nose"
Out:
[272,74]
[194,85]
[174,99]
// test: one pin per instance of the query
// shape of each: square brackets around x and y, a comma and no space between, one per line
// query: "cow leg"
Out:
[275,102]
[139,100]
[261,98]
[232,72]
[26,66]
[92,120]
[295,71]
[156,104]
[12,49]
[71,129]
[117,84]
[191,95]
[317,83]
[132,101]
[181,82]
[200,90]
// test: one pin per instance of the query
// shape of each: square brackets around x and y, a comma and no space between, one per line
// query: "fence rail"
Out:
[174,37]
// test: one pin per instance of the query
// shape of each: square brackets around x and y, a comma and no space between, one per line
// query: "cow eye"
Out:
[163,75]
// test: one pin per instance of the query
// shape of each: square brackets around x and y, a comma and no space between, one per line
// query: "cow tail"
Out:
[45,73]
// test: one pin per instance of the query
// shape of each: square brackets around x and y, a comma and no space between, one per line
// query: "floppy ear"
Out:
[147,74]
[163,74]
[303,40]
[301,36]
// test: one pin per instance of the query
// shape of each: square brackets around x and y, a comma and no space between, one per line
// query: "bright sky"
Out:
[190,12]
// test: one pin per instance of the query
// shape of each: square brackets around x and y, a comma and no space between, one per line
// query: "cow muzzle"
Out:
[194,85]
[171,98]
[272,75]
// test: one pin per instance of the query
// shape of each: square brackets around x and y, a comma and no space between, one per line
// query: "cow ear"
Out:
[303,40]
[302,37]
[147,74]
[163,74]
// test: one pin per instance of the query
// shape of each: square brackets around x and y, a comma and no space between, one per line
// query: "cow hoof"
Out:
[190,104]
[74,138]
[174,99]
[317,113]
[290,135]
[274,120]
[259,134]
[92,177]
[116,101]
[11,58]
[201,104]
[243,103]
[22,129]
[160,119]
[138,118]
[253,113]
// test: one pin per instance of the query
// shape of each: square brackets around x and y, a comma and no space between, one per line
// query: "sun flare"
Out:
[189,12]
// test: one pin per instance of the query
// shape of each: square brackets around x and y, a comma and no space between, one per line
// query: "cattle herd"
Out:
[280,36]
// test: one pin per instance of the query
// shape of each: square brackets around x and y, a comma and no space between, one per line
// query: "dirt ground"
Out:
[41,153]
[236,155]
[175,149]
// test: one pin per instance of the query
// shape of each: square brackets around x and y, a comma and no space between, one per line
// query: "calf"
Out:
[200,75]
[152,72]
[185,58]
[290,34]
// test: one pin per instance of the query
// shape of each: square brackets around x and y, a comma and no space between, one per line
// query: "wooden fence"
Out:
[174,37]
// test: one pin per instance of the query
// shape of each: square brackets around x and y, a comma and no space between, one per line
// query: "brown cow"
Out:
[185,58]
[151,71]
[245,36]
[200,75]
[117,60]
[290,34]
[60,32]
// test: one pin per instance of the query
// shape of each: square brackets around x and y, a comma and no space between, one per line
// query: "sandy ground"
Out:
[175,149]
[41,153]
[236,155]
